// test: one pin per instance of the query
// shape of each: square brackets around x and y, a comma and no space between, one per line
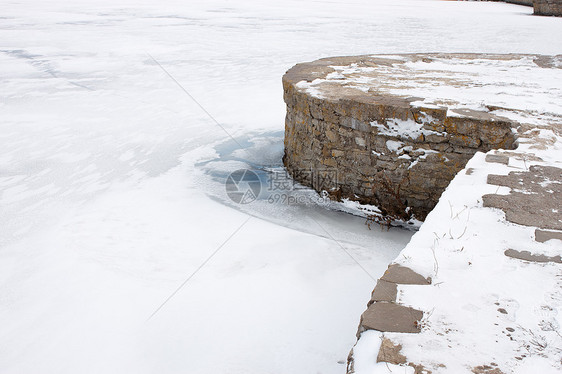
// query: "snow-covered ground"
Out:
[112,180]
[483,309]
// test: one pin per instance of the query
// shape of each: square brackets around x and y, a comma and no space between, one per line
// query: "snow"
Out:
[394,145]
[112,180]
[365,353]
[309,87]
[464,252]
[403,128]
[455,83]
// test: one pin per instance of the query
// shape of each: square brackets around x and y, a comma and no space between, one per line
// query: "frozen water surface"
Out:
[112,180]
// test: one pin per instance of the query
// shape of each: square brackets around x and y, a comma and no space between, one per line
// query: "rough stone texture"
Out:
[390,317]
[349,141]
[402,275]
[542,236]
[535,197]
[528,256]
[384,291]
[547,7]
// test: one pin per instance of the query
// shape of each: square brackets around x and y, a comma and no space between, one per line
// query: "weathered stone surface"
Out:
[390,317]
[528,256]
[350,131]
[384,291]
[543,235]
[547,7]
[403,275]
[535,198]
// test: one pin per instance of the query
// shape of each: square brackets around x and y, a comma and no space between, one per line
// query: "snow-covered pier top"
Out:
[479,287]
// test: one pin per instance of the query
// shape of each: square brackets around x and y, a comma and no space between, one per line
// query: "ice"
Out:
[112,180]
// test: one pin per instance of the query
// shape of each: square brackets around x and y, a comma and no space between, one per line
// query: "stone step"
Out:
[403,275]
[391,317]
[384,291]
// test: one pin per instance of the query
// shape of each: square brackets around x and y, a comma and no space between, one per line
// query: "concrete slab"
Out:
[390,317]
[403,275]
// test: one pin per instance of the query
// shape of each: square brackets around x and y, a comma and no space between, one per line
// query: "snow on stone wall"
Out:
[385,150]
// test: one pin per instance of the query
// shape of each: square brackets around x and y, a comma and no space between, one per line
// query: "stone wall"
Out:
[384,151]
[548,7]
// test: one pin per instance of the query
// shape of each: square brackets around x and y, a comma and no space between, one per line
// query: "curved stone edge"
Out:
[334,134]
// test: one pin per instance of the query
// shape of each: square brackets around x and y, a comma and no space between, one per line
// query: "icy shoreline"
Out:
[106,207]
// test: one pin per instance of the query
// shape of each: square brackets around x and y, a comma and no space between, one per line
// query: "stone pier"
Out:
[388,145]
